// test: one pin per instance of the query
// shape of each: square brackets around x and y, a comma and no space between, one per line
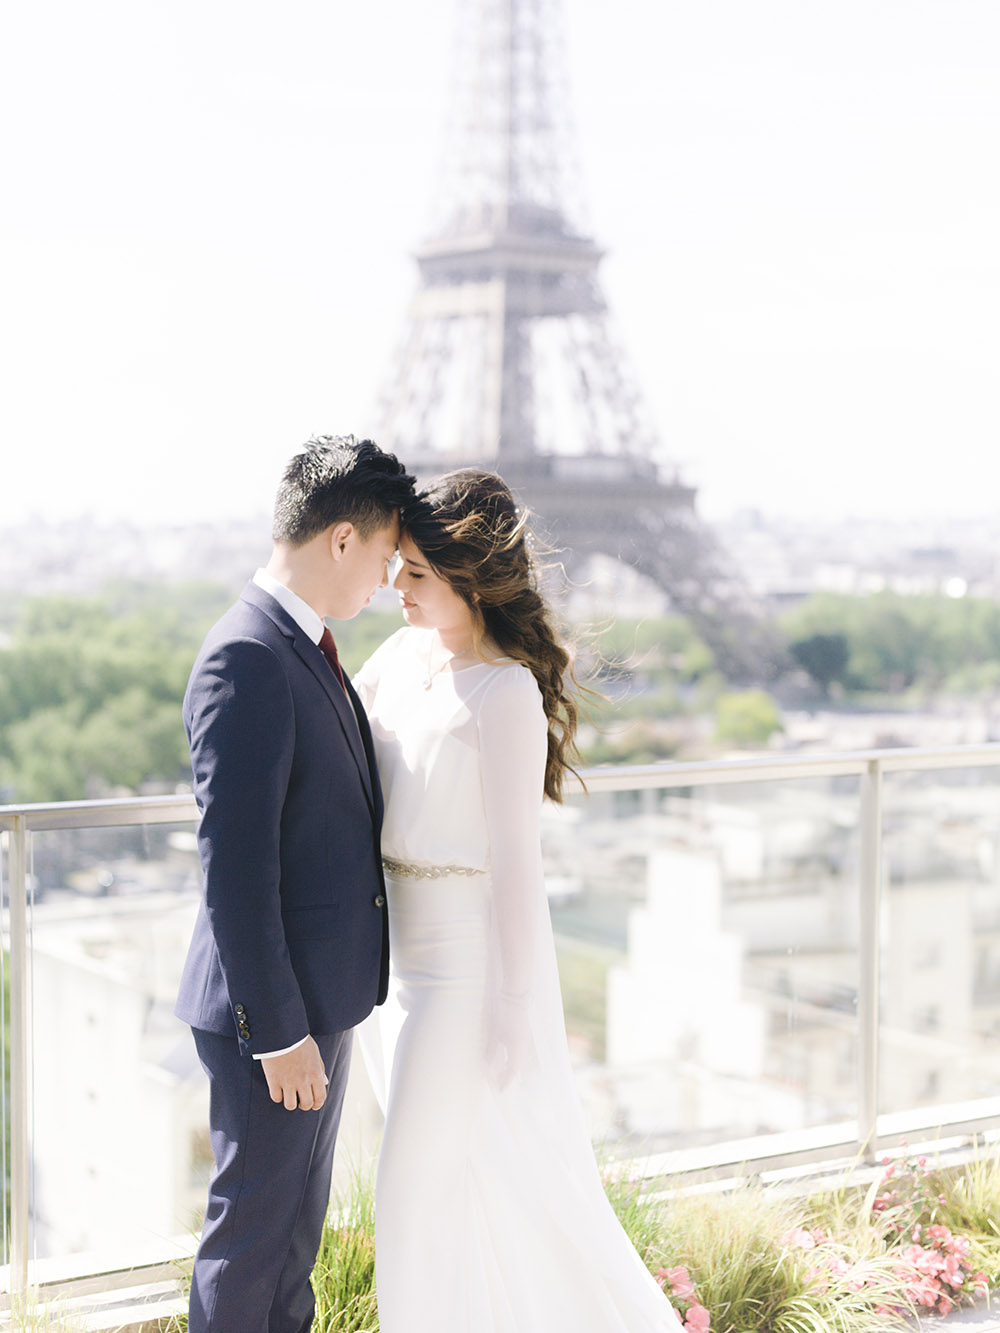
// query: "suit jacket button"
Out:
[380,901]
[245,1032]
[239,1009]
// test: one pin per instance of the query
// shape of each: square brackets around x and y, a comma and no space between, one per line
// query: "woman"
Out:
[490,1215]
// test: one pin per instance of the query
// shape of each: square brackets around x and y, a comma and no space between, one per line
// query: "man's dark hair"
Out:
[336,479]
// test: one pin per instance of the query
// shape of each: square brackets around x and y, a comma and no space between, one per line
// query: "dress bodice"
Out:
[460,754]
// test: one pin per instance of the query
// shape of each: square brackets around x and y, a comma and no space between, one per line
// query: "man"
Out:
[290,948]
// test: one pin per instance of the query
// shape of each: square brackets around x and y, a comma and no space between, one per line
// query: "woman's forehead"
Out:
[411,553]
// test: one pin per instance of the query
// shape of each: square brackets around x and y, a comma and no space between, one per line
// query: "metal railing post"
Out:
[20,1056]
[869,957]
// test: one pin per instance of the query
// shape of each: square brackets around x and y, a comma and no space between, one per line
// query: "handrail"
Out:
[45,816]
[115,812]
[780,767]
[870,766]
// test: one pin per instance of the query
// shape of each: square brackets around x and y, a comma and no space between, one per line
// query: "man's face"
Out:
[364,568]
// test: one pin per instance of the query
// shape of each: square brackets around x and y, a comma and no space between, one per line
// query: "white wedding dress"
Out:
[490,1214]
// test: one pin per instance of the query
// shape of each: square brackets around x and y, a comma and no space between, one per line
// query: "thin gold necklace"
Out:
[428,679]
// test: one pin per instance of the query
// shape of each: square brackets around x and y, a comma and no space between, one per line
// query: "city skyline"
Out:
[209,246]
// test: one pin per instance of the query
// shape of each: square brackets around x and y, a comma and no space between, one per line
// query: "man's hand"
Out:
[297,1078]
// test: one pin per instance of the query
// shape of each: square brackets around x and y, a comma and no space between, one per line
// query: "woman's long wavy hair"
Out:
[468,527]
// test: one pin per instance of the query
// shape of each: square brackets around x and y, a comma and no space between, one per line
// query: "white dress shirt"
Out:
[301,612]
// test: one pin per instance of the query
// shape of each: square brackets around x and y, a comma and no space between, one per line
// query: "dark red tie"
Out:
[329,648]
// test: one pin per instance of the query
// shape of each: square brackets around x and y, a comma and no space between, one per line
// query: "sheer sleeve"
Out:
[366,680]
[513,739]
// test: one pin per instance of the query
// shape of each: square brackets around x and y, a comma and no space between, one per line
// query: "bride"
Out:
[490,1214]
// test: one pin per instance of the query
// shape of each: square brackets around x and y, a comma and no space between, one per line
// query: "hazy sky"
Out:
[210,208]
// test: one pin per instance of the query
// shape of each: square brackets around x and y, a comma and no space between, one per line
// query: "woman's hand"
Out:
[508,1039]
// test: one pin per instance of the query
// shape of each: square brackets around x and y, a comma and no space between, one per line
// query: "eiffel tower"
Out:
[508,360]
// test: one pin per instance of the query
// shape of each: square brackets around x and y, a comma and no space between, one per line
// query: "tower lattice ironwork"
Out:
[508,360]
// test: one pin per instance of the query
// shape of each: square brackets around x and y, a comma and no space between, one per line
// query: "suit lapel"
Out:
[364,727]
[314,659]
[312,655]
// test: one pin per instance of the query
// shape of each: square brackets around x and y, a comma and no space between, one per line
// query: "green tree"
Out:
[39,762]
[896,641]
[824,657]
[747,717]
[91,690]
[661,650]
[357,639]
[638,743]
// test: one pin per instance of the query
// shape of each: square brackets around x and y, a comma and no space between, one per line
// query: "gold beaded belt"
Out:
[407,870]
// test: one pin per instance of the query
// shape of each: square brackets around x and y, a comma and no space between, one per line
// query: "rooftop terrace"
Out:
[778,965]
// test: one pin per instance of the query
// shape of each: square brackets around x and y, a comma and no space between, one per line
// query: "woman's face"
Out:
[428,601]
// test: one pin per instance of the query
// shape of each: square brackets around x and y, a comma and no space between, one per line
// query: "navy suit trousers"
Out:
[268,1196]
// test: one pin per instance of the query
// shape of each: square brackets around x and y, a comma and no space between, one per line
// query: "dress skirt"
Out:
[490,1213]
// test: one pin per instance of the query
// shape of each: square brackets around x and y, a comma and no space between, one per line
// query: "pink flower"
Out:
[927,1291]
[798,1239]
[697,1318]
[679,1280]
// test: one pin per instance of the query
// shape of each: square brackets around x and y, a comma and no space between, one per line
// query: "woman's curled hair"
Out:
[468,526]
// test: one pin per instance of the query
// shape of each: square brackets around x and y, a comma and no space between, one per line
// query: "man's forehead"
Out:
[390,534]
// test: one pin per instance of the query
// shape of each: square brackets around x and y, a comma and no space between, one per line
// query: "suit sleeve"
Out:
[241,728]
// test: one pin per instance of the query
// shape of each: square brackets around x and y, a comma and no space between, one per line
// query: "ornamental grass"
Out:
[344,1276]
[739,1261]
[922,1238]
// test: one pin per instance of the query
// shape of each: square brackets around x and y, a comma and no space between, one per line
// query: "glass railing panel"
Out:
[940,998]
[118,1101]
[709,955]
[708,944]
[5,1083]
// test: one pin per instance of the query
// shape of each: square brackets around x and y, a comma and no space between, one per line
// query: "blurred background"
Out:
[209,244]
[208,238]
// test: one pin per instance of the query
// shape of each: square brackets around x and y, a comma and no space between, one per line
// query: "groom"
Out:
[290,948]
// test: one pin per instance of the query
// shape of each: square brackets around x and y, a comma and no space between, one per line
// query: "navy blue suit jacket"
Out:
[292,934]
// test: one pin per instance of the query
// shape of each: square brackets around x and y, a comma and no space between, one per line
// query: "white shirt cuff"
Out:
[266,1055]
